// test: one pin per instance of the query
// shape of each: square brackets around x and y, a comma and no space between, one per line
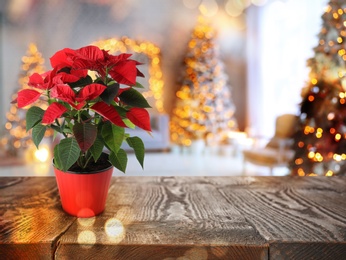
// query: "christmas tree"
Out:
[204,108]
[15,136]
[320,140]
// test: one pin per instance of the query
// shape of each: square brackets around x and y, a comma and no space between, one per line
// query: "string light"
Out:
[203,110]
[323,132]
[152,52]
[17,139]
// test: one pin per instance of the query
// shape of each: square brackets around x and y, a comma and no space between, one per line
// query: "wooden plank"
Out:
[308,214]
[161,218]
[31,219]
[308,250]
[177,217]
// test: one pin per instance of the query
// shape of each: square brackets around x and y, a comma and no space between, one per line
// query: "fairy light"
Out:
[329,173]
[150,50]
[318,157]
[319,132]
[301,172]
[299,161]
[203,110]
[17,138]
[331,81]
[337,157]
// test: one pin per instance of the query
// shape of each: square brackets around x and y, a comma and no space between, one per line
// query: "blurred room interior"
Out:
[263,47]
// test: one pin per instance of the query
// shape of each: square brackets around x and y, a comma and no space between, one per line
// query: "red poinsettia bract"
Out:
[80,106]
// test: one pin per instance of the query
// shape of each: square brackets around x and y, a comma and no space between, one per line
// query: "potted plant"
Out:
[91,99]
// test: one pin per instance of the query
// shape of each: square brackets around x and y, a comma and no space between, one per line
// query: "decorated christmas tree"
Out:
[204,109]
[320,140]
[15,137]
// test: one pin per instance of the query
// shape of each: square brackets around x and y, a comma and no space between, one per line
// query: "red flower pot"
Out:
[83,195]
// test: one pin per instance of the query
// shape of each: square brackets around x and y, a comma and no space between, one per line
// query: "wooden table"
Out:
[179,218]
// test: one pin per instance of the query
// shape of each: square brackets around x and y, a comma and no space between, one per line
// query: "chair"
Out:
[277,152]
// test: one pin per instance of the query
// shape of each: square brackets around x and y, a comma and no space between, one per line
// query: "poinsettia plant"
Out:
[92,100]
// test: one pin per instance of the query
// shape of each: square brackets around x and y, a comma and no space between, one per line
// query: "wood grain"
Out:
[31,219]
[179,218]
[168,218]
[296,213]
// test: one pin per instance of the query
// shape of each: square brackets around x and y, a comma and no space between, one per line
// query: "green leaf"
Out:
[138,85]
[56,128]
[85,134]
[113,136]
[33,117]
[38,133]
[121,111]
[138,146]
[110,93]
[119,160]
[129,124]
[66,153]
[97,148]
[134,98]
[82,82]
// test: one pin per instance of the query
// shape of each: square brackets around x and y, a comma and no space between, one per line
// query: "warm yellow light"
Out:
[341,52]
[328,9]
[86,222]
[337,157]
[329,173]
[42,154]
[337,137]
[115,230]
[314,81]
[8,125]
[318,157]
[311,155]
[208,8]
[147,48]
[308,129]
[233,8]
[86,237]
[301,172]
[318,134]
[17,144]
[339,40]
[298,161]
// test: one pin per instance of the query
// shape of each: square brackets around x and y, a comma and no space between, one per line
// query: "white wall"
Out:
[54,25]
[281,37]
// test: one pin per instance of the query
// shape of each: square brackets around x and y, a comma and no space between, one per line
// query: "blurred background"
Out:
[262,45]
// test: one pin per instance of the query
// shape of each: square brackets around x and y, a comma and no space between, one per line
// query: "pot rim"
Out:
[86,173]
[93,172]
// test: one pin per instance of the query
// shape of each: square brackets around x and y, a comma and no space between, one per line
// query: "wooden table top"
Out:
[179,218]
